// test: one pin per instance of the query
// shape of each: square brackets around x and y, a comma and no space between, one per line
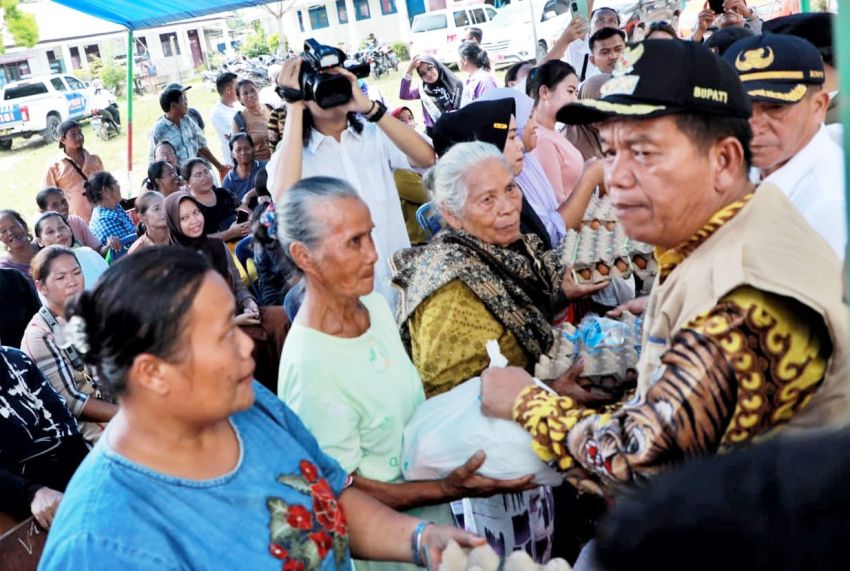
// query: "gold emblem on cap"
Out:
[627,61]
[622,85]
[793,96]
[759,58]
[632,109]
[501,126]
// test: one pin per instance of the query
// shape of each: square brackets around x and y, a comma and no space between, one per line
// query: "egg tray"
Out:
[597,254]
[599,209]
[598,362]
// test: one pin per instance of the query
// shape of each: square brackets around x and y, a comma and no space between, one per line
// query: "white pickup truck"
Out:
[37,105]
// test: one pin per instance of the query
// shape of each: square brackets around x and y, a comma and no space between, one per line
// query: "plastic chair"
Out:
[429,219]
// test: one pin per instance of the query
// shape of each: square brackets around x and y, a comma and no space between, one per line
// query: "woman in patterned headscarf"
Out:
[441,89]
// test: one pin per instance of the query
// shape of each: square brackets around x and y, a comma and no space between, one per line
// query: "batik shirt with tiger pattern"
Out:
[731,375]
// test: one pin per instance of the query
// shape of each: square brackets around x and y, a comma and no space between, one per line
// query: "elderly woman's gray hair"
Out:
[297,210]
[448,181]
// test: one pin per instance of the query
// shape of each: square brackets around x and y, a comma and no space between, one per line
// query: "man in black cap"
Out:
[183,132]
[815,27]
[745,333]
[783,76]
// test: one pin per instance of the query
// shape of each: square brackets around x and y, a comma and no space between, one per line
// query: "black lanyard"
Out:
[76,361]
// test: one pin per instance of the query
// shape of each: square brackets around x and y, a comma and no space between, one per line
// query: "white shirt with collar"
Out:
[222,120]
[575,55]
[814,181]
[366,161]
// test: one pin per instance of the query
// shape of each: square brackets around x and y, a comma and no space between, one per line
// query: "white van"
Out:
[510,37]
[439,33]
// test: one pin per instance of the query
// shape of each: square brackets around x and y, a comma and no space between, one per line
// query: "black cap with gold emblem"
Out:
[664,77]
[776,68]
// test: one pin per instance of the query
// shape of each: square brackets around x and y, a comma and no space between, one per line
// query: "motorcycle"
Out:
[389,54]
[105,123]
[380,62]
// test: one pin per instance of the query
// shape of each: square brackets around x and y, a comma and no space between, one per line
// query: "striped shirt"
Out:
[75,386]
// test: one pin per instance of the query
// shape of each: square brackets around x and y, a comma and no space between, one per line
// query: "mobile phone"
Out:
[579,7]
[716,6]
[241,216]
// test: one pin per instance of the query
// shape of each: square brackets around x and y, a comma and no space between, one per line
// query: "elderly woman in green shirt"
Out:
[344,370]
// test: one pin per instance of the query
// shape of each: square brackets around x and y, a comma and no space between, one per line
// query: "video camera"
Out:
[327,89]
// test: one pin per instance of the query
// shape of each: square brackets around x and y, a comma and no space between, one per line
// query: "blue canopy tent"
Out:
[137,15]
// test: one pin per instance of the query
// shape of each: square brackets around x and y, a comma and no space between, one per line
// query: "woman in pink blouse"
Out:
[553,85]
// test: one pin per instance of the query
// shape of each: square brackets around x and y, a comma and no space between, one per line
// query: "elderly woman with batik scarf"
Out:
[441,90]
[496,122]
[480,278]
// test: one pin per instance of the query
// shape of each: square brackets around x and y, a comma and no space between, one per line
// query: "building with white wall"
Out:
[69,40]
[341,23]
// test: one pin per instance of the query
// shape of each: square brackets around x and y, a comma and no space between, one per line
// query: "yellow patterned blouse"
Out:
[737,372]
[448,332]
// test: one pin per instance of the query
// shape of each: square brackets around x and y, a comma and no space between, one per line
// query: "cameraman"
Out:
[336,142]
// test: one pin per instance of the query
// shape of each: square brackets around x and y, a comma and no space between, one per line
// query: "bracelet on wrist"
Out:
[377,115]
[416,542]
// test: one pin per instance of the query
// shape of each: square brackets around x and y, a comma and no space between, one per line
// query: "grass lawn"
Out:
[22,168]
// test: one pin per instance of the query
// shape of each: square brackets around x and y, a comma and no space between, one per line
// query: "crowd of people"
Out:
[218,373]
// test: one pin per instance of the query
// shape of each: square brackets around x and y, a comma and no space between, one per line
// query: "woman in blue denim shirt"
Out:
[202,468]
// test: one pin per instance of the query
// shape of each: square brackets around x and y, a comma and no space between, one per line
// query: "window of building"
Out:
[170,47]
[55,64]
[361,9]
[75,58]
[388,7]
[92,52]
[341,12]
[300,19]
[140,46]
[318,17]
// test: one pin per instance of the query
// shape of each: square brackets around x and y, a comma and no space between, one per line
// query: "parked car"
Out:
[510,37]
[439,33]
[37,105]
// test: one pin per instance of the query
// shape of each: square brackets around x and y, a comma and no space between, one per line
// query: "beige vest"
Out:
[769,246]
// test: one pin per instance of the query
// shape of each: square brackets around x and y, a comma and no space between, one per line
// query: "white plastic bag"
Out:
[449,428]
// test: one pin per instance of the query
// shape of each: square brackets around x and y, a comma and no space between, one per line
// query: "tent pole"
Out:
[534,31]
[842,52]
[130,62]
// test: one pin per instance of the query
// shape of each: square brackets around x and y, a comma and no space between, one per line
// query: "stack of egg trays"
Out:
[597,255]
[560,356]
[614,361]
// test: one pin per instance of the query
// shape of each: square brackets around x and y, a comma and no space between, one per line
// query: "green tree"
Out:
[21,26]
[256,44]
